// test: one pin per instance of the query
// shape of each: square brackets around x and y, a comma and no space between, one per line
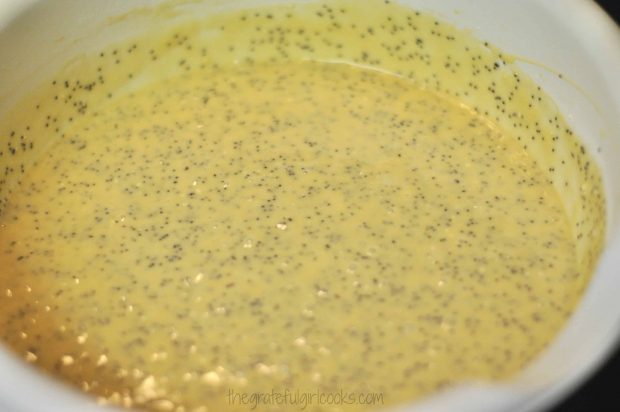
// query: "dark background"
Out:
[601,393]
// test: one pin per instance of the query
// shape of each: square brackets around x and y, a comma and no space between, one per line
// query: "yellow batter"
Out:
[280,225]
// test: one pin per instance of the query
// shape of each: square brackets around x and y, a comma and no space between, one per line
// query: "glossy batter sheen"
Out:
[282,225]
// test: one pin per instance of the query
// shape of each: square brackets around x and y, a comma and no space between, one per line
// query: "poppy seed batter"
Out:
[270,221]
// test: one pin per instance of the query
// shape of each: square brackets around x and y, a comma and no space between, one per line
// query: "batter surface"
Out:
[283,226]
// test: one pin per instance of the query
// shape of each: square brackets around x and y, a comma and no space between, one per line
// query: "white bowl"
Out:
[573,37]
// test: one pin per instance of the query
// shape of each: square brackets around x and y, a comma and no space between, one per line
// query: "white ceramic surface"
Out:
[573,37]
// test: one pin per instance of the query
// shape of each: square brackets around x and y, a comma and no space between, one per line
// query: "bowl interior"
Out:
[546,38]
